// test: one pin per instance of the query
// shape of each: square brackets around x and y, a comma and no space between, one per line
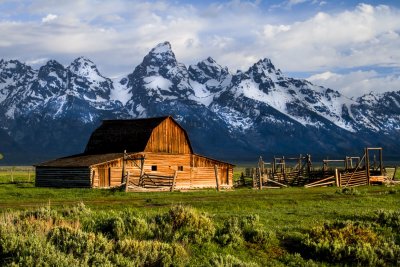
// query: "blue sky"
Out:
[351,46]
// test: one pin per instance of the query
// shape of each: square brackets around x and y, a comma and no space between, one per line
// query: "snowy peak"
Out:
[84,67]
[52,80]
[162,49]
[85,81]
[158,78]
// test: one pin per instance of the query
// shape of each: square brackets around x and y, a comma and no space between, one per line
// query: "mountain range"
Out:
[236,116]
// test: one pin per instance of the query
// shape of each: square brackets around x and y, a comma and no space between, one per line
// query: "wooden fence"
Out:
[17,174]
[350,179]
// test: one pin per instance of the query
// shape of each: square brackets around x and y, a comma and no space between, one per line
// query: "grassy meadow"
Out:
[242,227]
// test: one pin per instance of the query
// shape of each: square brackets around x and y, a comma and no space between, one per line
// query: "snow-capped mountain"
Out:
[52,111]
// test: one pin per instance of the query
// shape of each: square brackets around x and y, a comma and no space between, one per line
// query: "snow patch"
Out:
[120,93]
[154,82]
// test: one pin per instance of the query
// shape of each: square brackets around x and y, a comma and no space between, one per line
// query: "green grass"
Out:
[284,211]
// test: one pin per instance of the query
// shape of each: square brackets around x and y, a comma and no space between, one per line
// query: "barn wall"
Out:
[201,176]
[107,174]
[62,177]
[193,171]
[168,137]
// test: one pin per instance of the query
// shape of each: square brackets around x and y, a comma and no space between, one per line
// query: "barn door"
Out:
[104,177]
[223,175]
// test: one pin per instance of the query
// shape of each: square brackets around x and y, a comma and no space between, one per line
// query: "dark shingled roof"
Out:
[81,160]
[115,136]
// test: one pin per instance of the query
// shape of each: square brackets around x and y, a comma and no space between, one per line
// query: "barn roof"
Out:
[81,160]
[115,136]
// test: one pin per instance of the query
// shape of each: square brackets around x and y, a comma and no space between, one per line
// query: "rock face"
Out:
[52,111]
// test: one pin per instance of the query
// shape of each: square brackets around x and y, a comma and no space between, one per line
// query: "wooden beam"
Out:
[123,168]
[337,177]
[173,181]
[320,181]
[367,163]
[381,160]
[127,182]
[216,176]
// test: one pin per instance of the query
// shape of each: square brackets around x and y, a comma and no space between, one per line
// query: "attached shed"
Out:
[157,153]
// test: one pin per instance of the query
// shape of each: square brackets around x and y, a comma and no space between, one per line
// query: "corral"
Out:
[140,154]
[355,171]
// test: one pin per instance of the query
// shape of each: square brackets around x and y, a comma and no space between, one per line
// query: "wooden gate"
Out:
[356,178]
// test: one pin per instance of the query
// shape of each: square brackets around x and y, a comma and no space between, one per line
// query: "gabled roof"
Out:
[115,136]
[81,160]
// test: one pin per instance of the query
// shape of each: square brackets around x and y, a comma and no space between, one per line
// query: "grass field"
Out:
[291,226]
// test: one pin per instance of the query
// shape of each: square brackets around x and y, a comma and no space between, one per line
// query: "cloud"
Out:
[116,35]
[357,83]
[49,18]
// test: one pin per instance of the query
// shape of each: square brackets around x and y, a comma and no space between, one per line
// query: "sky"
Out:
[350,46]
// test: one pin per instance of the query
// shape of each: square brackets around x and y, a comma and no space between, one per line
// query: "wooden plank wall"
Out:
[168,137]
[201,176]
[106,174]
[62,177]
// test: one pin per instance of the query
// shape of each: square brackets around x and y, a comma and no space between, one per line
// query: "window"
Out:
[180,168]
[154,168]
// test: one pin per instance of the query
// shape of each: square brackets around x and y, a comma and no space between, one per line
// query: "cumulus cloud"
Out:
[357,83]
[118,34]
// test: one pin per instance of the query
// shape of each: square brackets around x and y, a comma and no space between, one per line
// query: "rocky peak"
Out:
[83,66]
[52,66]
[206,70]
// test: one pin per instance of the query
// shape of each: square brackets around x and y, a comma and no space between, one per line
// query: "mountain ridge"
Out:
[239,115]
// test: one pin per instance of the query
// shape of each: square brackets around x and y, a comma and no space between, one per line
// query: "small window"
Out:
[154,168]
[180,168]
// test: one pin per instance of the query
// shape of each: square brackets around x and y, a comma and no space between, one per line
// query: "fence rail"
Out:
[17,174]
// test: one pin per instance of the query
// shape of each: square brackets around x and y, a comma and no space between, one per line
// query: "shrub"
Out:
[150,253]
[231,233]
[229,260]
[76,211]
[136,227]
[295,260]
[85,246]
[44,213]
[29,250]
[389,218]
[183,224]
[237,230]
[351,243]
[348,191]
[110,225]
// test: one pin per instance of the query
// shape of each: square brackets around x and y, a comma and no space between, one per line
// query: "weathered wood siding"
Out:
[108,174]
[201,176]
[168,137]
[62,177]
[193,171]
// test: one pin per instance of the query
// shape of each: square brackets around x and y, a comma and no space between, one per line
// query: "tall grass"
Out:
[184,236]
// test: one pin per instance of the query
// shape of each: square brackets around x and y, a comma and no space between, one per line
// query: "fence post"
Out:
[337,177]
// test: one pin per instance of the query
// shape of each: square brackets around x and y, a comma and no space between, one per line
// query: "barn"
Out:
[140,154]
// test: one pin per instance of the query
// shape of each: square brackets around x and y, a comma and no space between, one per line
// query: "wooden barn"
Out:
[141,153]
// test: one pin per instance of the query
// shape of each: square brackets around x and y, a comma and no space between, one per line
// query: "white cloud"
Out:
[357,83]
[49,18]
[118,34]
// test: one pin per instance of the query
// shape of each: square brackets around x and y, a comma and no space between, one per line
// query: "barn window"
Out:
[154,167]
[180,168]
